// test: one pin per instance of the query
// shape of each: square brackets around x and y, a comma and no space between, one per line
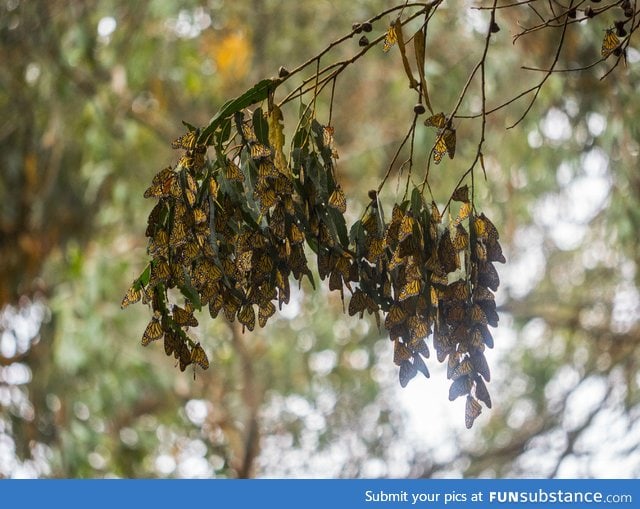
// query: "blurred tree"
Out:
[90,98]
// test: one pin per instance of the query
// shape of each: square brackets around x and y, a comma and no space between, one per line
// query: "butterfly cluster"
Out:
[430,279]
[229,231]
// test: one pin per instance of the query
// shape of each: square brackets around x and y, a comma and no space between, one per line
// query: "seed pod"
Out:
[419,109]
[494,27]
[357,28]
[363,41]
[571,13]
[367,27]
[283,72]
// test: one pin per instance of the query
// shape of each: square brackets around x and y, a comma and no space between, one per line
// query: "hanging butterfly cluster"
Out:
[236,218]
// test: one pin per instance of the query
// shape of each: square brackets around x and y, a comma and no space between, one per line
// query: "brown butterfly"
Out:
[472,411]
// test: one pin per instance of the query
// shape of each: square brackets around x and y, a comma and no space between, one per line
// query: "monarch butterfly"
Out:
[246,131]
[161,184]
[460,387]
[407,372]
[461,194]
[476,343]
[230,306]
[184,356]
[264,265]
[477,315]
[328,141]
[132,296]
[462,369]
[494,252]
[488,276]
[472,411]
[375,248]
[480,365]
[335,281]
[447,253]
[418,328]
[358,303]
[184,317]
[178,236]
[439,279]
[199,216]
[419,365]
[489,308]
[338,200]
[284,290]
[390,39]
[434,296]
[438,120]
[171,343]
[186,161]
[268,198]
[419,346]
[186,141]
[445,143]
[406,227]
[458,291]
[266,169]
[410,289]
[610,42]
[247,317]
[461,239]
[215,305]
[190,252]
[455,313]
[283,186]
[265,312]
[396,259]
[159,271]
[395,316]
[156,218]
[152,332]
[199,357]
[244,261]
[487,338]
[213,187]
[480,293]
[295,234]
[206,272]
[259,151]
[464,212]
[482,393]
[233,172]
[190,190]
[400,352]
[444,346]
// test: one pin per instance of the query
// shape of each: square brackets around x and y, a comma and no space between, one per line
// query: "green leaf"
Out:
[223,135]
[256,94]
[190,293]
[356,232]
[189,126]
[143,279]
[416,202]
[260,126]
[340,226]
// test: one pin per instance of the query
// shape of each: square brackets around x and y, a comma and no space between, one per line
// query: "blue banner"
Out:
[321,494]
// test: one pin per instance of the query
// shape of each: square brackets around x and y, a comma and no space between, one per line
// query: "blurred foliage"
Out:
[90,97]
